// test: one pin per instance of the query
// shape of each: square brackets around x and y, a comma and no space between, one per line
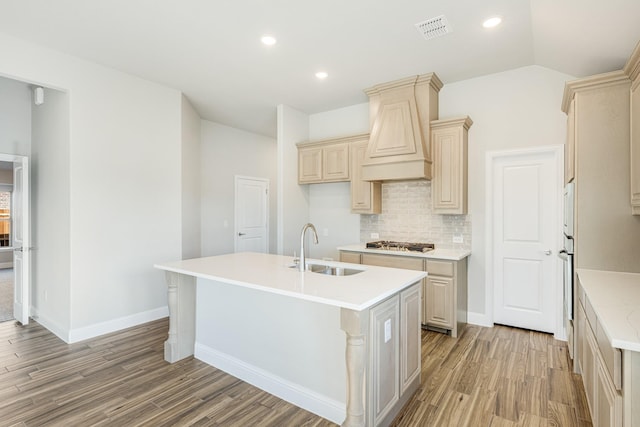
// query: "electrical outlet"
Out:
[457,238]
[325,232]
[375,235]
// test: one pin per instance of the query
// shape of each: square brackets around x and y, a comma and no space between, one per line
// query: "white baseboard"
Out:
[291,392]
[50,325]
[120,323]
[479,319]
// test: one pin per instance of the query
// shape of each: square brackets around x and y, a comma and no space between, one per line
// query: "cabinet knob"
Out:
[547,252]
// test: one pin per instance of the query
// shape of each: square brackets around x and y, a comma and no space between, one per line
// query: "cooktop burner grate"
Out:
[389,245]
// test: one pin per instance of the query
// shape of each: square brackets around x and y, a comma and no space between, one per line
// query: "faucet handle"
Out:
[296,260]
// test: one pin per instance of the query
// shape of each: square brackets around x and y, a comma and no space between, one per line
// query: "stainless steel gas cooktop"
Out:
[388,245]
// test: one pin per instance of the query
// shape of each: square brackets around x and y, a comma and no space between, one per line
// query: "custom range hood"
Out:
[399,114]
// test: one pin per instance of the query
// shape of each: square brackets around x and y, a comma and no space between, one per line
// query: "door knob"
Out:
[547,252]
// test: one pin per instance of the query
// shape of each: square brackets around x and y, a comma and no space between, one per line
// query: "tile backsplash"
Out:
[407,217]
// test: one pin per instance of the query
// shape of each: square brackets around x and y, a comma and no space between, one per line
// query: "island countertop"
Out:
[272,273]
[615,298]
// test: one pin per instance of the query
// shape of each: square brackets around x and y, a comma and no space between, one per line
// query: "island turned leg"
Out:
[356,325]
[181,295]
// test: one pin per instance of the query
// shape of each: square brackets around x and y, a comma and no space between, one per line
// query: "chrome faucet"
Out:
[302,262]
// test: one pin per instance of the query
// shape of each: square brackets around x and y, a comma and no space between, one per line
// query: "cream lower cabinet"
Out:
[394,363]
[444,291]
[612,397]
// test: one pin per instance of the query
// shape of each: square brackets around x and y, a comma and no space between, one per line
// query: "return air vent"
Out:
[434,27]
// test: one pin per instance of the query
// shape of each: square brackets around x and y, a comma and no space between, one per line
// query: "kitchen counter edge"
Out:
[448,254]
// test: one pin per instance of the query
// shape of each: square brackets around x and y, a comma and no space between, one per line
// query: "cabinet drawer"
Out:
[440,268]
[612,357]
[351,257]
[407,263]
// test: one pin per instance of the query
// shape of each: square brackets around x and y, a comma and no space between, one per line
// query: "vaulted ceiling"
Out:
[211,50]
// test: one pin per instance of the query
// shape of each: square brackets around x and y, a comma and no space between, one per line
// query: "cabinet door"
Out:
[438,301]
[335,162]
[589,368]
[449,147]
[410,347]
[309,165]
[366,196]
[609,403]
[384,358]
[570,145]
[579,334]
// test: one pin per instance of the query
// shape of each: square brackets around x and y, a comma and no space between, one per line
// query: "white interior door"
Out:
[251,214]
[21,240]
[526,227]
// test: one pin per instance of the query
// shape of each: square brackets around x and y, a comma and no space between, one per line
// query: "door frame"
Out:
[491,157]
[236,179]
[26,278]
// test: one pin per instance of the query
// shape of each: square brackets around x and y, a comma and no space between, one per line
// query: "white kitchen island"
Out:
[253,316]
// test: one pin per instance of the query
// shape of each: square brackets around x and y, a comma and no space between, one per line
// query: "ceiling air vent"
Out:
[434,27]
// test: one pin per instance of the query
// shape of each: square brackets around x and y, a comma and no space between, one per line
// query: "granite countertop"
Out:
[615,298]
[272,273]
[448,254]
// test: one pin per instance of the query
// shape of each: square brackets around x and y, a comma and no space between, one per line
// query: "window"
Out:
[5,218]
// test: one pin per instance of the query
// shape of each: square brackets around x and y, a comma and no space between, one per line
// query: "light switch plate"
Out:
[375,235]
[457,238]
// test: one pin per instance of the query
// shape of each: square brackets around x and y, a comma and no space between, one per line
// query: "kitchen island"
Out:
[255,317]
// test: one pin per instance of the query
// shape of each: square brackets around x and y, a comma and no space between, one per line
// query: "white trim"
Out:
[291,392]
[280,179]
[114,325]
[50,325]
[480,319]
[558,151]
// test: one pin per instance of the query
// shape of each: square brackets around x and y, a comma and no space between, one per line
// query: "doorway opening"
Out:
[524,199]
[6,244]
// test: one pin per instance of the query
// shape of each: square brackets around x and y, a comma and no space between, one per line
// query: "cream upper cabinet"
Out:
[632,69]
[309,165]
[570,144]
[323,161]
[366,196]
[449,148]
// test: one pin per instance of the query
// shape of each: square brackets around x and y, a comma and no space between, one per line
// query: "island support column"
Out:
[356,326]
[181,295]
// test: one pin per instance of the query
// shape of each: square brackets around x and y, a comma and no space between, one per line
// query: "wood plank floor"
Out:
[487,377]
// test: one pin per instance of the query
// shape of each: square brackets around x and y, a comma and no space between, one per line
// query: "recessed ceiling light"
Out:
[494,21]
[322,75]
[268,40]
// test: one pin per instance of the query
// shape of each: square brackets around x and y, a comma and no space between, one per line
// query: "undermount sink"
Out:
[332,271]
[329,270]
